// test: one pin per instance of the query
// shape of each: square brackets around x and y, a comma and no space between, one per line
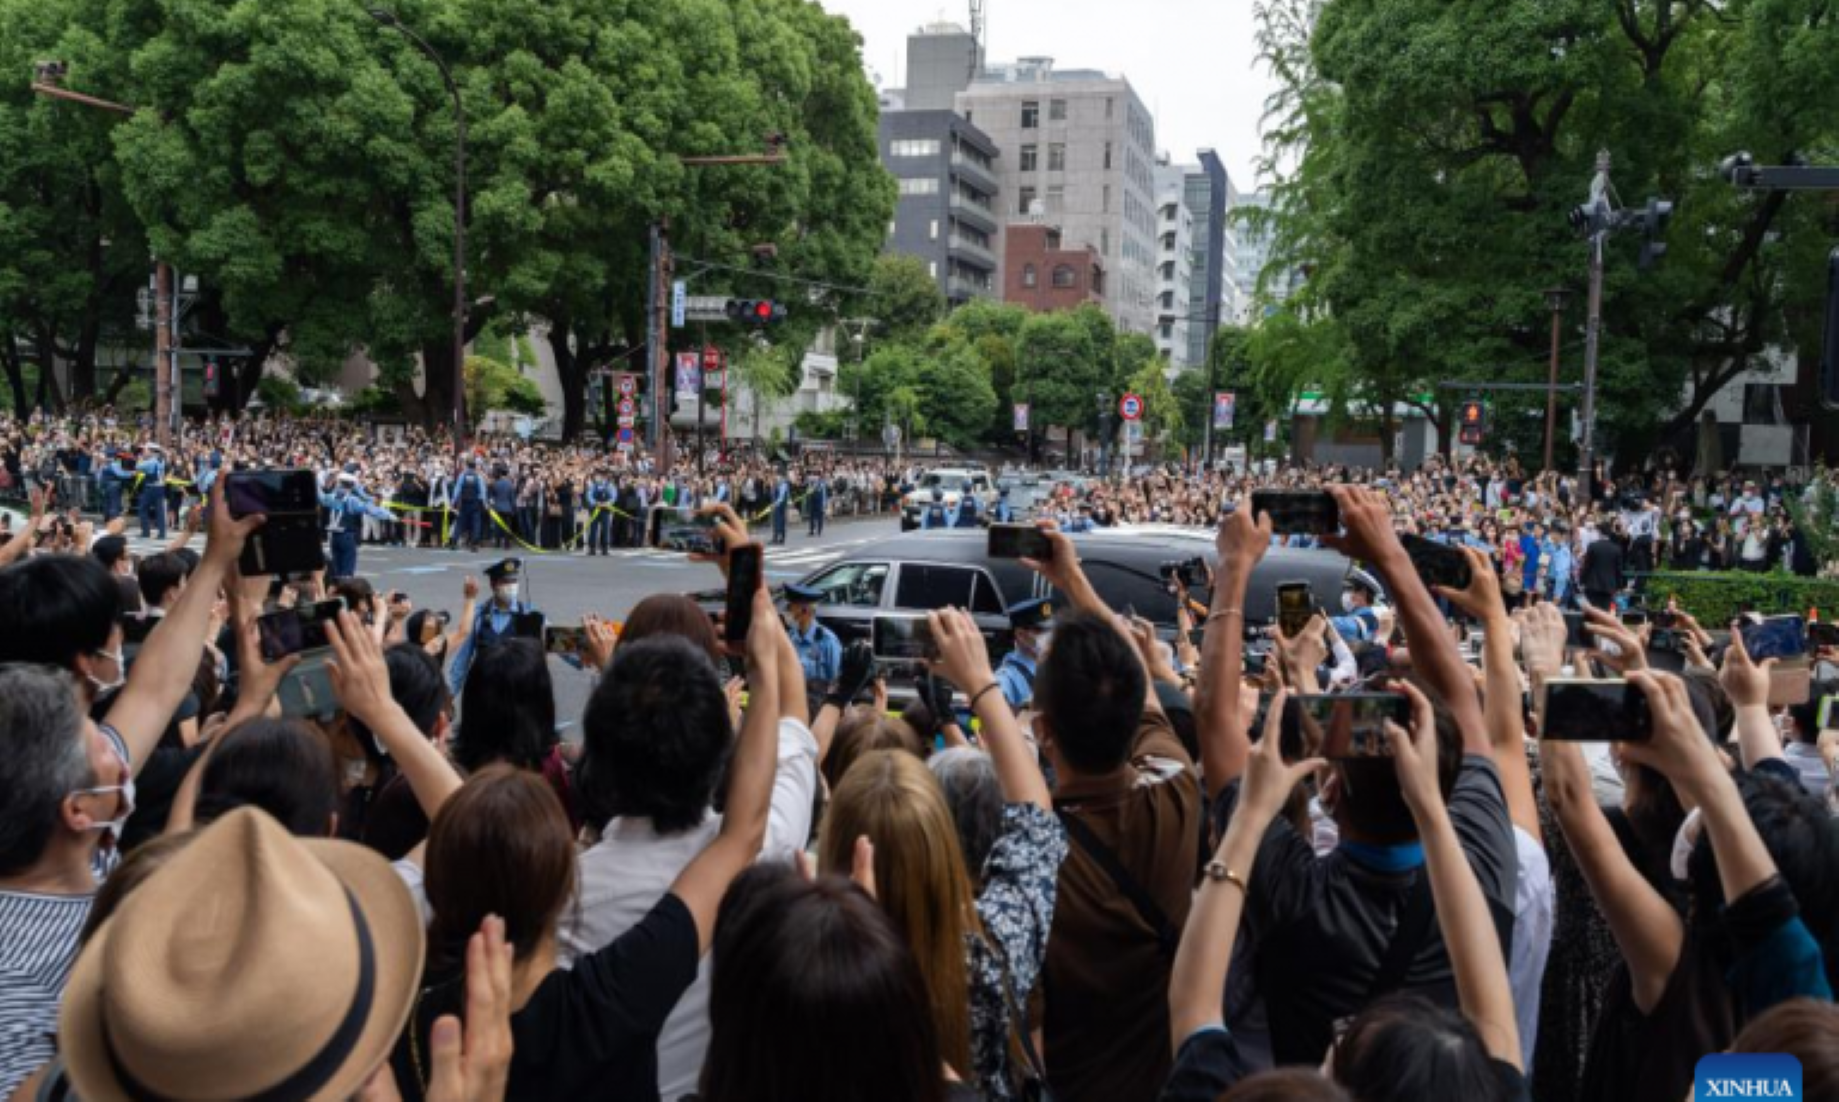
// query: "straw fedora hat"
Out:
[254,965]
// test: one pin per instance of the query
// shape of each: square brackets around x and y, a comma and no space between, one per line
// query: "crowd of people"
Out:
[1117,864]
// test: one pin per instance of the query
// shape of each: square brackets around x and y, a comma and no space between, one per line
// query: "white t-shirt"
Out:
[1533,902]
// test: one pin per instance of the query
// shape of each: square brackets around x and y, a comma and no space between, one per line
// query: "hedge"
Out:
[1716,599]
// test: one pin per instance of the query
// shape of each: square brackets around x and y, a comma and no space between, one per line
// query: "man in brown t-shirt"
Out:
[1132,803]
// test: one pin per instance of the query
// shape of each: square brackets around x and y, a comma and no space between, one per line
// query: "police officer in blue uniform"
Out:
[782,505]
[817,499]
[934,516]
[1004,513]
[599,499]
[346,506]
[114,476]
[469,491]
[1031,621]
[152,503]
[819,650]
[967,509]
[496,622]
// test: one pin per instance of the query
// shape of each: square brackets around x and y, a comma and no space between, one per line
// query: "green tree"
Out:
[1162,415]
[1060,372]
[941,389]
[492,386]
[903,299]
[993,330]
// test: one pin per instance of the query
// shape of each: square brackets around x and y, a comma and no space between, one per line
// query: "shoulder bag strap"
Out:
[1167,937]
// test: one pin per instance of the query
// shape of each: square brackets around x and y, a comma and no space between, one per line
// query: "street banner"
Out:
[1021,417]
[689,374]
[1224,402]
[1270,432]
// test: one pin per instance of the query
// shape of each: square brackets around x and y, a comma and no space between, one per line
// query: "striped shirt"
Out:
[36,955]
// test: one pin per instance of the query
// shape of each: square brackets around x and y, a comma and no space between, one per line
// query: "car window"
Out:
[1124,589]
[853,584]
[987,599]
[928,587]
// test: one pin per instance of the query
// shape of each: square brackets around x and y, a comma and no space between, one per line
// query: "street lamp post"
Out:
[1555,299]
[388,19]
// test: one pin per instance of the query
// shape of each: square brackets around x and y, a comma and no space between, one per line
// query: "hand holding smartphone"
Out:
[1438,564]
[1020,541]
[903,639]
[683,530]
[1298,512]
[745,566]
[289,541]
[1343,726]
[299,630]
[1579,709]
[1295,607]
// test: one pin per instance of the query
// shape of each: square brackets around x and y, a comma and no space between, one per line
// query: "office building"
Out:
[948,214]
[1044,272]
[1253,255]
[1208,192]
[1174,266]
[1079,149]
[942,59]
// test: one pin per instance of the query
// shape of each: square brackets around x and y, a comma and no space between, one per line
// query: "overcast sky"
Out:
[1190,60]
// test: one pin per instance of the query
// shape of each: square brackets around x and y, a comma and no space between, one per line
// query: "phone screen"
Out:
[744,566]
[1823,634]
[683,530]
[1351,725]
[1019,541]
[1438,564]
[1776,637]
[1298,512]
[1584,710]
[564,641]
[527,625]
[270,492]
[1295,605]
[1634,617]
[298,630]
[903,638]
[1575,637]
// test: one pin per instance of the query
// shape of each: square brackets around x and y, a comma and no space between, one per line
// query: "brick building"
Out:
[1041,274]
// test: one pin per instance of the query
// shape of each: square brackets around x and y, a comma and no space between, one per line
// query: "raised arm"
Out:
[27,535]
[1224,745]
[162,673]
[1501,684]
[1747,684]
[361,678]
[750,776]
[1367,521]
[1462,910]
[965,660]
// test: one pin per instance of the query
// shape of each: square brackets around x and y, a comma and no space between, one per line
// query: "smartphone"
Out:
[1019,541]
[1295,606]
[1438,563]
[1351,725]
[527,625]
[298,630]
[1298,512]
[1821,634]
[1662,620]
[903,638]
[1776,637]
[744,567]
[567,642]
[306,692]
[1575,635]
[289,542]
[1581,709]
[682,530]
[1669,640]
[1634,617]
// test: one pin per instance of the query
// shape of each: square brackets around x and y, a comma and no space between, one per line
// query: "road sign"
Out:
[1021,417]
[679,303]
[711,359]
[1133,432]
[627,422]
[625,438]
[1224,405]
[1130,407]
[706,308]
[628,386]
[627,407]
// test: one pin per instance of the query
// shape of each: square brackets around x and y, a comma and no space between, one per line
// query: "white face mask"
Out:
[1347,602]
[506,594]
[121,672]
[112,827]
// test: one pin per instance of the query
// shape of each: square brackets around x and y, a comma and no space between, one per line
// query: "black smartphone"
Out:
[1669,640]
[673,529]
[1298,512]
[903,638]
[1350,725]
[1634,617]
[744,567]
[1255,662]
[1822,634]
[1438,563]
[289,541]
[1575,637]
[1295,606]
[1662,620]
[1019,541]
[567,642]
[1776,637]
[1579,709]
[527,625]
[298,630]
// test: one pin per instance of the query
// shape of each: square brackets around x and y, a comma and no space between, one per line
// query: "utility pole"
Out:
[657,351]
[1602,222]
[1555,299]
[163,375]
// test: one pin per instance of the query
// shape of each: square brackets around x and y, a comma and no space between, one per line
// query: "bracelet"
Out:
[1222,613]
[980,694]
[1218,873]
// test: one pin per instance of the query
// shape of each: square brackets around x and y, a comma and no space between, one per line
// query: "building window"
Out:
[1107,152]
[932,268]
[1104,205]
[1056,200]
[1109,104]
[1104,242]
[1056,110]
[926,148]
[1025,201]
[1030,158]
[1031,114]
[933,232]
[1056,157]
[923,185]
[1064,277]
[1029,279]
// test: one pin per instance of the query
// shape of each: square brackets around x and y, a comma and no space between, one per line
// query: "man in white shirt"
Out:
[655,738]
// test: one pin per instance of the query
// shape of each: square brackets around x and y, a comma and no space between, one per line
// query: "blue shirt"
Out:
[1016,676]
[819,651]
[349,504]
[154,472]
[499,621]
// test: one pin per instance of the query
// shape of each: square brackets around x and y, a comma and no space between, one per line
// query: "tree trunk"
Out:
[436,405]
[50,396]
[571,372]
[15,376]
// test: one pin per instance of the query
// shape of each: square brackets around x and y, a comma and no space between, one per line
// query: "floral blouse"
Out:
[1020,882]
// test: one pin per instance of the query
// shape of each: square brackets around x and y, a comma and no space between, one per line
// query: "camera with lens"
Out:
[1189,572]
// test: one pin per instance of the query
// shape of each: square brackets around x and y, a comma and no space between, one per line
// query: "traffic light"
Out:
[755,311]
[1473,422]
[213,387]
[1653,228]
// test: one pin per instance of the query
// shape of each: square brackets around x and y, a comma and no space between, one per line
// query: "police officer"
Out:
[1031,622]
[819,651]
[152,503]
[782,505]
[599,500]
[114,476]
[934,516]
[1358,622]
[967,509]
[817,499]
[470,491]
[496,622]
[346,507]
[1004,512]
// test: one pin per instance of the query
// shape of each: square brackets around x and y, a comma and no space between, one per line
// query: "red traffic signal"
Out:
[761,311]
[1474,413]
[212,386]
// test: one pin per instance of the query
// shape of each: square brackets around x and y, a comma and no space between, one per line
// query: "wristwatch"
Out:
[1218,872]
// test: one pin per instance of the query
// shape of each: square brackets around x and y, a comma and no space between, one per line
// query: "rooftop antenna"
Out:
[977,30]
